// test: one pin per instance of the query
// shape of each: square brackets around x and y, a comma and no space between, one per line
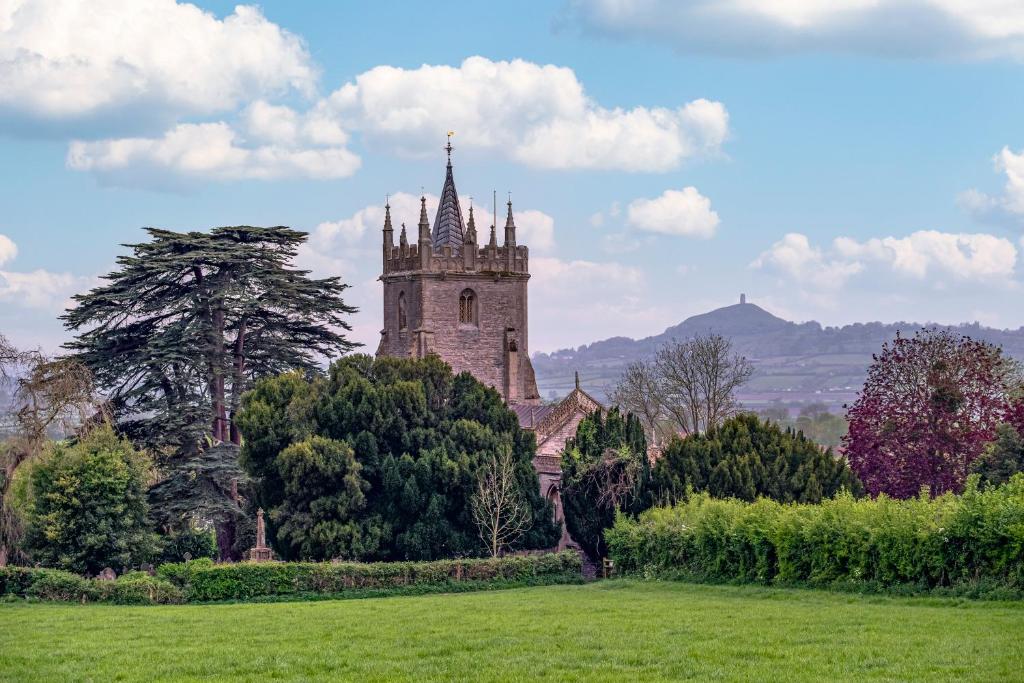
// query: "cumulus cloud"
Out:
[1010,204]
[536,114]
[8,249]
[964,257]
[676,212]
[39,288]
[63,59]
[212,151]
[968,29]
[795,257]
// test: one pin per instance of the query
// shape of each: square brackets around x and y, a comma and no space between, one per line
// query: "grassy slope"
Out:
[606,631]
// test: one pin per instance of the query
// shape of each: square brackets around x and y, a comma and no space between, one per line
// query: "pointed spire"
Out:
[424,221]
[402,239]
[388,230]
[448,226]
[471,228]
[494,238]
[510,226]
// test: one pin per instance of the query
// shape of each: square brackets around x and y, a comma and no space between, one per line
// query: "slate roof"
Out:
[448,226]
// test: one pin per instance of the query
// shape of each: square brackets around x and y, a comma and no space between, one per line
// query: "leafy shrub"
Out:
[56,584]
[203,581]
[197,543]
[973,539]
[139,588]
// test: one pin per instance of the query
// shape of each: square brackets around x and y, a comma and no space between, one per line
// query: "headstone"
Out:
[261,553]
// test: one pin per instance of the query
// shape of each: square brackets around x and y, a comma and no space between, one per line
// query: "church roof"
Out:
[448,227]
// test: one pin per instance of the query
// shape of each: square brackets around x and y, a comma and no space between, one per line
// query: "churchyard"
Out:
[603,631]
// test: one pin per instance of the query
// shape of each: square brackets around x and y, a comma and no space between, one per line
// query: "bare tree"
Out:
[500,511]
[639,392]
[50,393]
[698,380]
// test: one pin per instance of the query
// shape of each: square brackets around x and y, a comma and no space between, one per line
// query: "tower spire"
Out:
[510,226]
[448,228]
[471,227]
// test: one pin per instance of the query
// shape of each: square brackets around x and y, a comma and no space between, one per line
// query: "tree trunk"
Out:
[225,529]
[238,380]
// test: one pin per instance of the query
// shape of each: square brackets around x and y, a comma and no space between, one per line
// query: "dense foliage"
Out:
[747,457]
[1004,457]
[181,329]
[604,469]
[928,408]
[203,581]
[948,541]
[133,588]
[88,507]
[380,460]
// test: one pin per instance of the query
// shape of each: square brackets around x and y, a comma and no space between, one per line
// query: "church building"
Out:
[466,302]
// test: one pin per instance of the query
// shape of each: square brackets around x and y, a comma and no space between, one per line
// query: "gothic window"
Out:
[467,308]
[403,322]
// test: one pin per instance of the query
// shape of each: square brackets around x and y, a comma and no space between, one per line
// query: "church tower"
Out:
[450,296]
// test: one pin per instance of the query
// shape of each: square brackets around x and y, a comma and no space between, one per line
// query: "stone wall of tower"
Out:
[482,349]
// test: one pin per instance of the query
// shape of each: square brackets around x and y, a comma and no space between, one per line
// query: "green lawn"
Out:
[614,630]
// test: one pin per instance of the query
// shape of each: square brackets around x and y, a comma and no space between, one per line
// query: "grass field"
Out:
[613,630]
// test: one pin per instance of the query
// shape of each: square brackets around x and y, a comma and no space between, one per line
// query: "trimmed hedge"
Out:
[134,588]
[203,581]
[971,543]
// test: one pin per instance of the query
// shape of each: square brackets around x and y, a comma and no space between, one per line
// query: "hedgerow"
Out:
[202,581]
[134,588]
[951,541]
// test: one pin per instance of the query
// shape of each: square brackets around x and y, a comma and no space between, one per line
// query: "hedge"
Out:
[958,542]
[203,581]
[134,588]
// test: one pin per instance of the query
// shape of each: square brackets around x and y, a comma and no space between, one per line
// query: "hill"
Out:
[795,362]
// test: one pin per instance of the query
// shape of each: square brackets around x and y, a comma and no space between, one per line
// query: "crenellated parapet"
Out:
[472,259]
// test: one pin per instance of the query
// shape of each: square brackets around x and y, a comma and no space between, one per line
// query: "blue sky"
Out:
[864,162]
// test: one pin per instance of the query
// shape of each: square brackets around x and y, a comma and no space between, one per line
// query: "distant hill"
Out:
[795,362]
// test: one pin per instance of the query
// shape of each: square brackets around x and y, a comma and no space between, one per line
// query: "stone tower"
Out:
[446,294]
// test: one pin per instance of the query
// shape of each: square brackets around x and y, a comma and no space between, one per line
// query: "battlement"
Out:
[470,259]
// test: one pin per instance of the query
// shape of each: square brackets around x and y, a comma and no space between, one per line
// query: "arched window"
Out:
[467,307]
[403,321]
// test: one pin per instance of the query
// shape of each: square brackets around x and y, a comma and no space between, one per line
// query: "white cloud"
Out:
[968,29]
[8,249]
[209,151]
[1008,205]
[925,255]
[537,114]
[794,257]
[572,302]
[676,212]
[536,230]
[62,59]
[39,288]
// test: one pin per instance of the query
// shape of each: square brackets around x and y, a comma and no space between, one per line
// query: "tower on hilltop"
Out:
[448,295]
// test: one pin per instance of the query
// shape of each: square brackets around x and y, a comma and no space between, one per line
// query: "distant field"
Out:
[616,630]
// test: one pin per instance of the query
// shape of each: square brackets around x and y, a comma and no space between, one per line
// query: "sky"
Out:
[857,160]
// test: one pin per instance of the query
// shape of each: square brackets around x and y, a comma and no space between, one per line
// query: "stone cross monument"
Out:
[261,553]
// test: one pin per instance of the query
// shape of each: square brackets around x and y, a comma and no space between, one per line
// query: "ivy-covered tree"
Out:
[605,469]
[747,458]
[929,406]
[180,331]
[381,459]
[88,506]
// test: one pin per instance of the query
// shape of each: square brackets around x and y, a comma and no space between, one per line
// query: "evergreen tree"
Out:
[381,459]
[181,329]
[746,458]
[88,506]
[604,469]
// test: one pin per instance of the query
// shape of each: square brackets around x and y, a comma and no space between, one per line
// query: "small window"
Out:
[403,321]
[467,308]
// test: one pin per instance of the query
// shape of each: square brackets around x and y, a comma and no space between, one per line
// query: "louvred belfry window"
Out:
[467,307]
